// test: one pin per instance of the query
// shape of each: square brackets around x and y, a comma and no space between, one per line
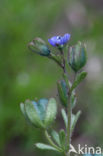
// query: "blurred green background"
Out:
[25,75]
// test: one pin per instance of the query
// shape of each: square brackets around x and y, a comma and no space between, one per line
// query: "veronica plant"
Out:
[41,114]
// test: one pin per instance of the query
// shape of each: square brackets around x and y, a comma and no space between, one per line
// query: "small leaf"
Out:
[78,79]
[40,107]
[32,114]
[74,120]
[63,92]
[45,147]
[67,81]
[73,99]
[55,136]
[65,118]
[62,138]
[22,107]
[50,112]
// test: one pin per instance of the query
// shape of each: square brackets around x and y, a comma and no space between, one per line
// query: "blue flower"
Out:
[59,40]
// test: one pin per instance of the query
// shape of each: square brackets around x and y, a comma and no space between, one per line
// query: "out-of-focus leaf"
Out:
[50,112]
[22,107]
[63,92]
[32,114]
[73,99]
[40,107]
[65,118]
[78,79]
[55,136]
[74,120]
[62,138]
[45,147]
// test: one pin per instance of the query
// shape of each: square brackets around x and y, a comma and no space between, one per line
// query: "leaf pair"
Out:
[74,119]
[59,140]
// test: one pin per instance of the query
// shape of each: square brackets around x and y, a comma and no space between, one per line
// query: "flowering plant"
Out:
[41,114]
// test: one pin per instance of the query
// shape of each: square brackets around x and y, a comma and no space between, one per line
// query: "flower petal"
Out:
[66,38]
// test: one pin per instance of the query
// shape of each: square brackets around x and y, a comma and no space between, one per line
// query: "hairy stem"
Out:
[63,58]
[69,109]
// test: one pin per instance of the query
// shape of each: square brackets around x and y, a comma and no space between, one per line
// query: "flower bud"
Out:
[63,92]
[40,114]
[39,46]
[77,56]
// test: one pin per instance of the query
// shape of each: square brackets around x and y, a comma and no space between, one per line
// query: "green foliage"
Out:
[45,147]
[41,114]
[65,118]
[73,99]
[74,120]
[62,138]
[63,92]
[25,75]
[79,78]
[55,136]
[33,114]
[50,112]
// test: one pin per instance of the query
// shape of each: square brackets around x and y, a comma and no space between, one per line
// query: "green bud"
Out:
[39,46]
[63,92]
[77,56]
[40,114]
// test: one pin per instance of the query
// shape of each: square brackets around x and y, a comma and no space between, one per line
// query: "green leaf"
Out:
[32,114]
[45,147]
[67,81]
[74,120]
[65,118]
[63,92]
[78,79]
[50,112]
[62,138]
[40,107]
[73,99]
[22,107]
[55,136]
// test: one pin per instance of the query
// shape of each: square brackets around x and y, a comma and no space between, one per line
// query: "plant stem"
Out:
[62,54]
[69,125]
[51,142]
[69,109]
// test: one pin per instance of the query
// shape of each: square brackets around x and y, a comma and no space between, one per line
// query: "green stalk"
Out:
[69,126]
[69,109]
